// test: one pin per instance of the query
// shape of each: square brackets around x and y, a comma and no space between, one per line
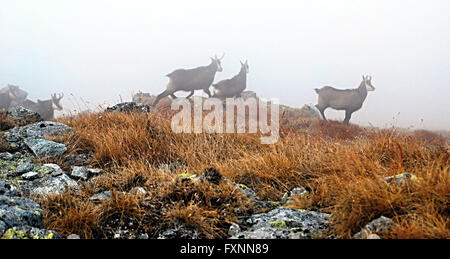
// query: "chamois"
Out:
[232,87]
[6,97]
[199,78]
[349,100]
[45,108]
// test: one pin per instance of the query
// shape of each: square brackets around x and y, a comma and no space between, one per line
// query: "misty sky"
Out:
[103,50]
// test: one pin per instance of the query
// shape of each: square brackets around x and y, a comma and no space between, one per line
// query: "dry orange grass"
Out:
[343,166]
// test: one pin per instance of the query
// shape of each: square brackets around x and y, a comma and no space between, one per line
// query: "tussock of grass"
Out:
[342,165]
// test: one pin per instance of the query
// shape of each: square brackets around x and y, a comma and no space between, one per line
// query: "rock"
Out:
[129,107]
[76,160]
[29,233]
[171,167]
[42,148]
[73,236]
[42,129]
[143,236]
[52,185]
[234,229]
[181,231]
[284,223]
[373,236]
[24,168]
[138,191]
[103,196]
[30,176]
[7,189]
[212,175]
[143,98]
[6,156]
[23,116]
[80,173]
[379,226]
[55,169]
[246,191]
[20,217]
[294,192]
[402,179]
[94,171]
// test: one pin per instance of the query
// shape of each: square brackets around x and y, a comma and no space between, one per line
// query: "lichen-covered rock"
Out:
[19,217]
[29,233]
[79,173]
[402,179]
[30,176]
[129,107]
[42,129]
[52,185]
[42,148]
[285,223]
[293,193]
[23,116]
[380,225]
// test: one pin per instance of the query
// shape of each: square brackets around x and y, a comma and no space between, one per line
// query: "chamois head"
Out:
[218,62]
[367,80]
[56,102]
[245,66]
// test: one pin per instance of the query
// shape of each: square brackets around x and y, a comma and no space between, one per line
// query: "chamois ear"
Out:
[242,64]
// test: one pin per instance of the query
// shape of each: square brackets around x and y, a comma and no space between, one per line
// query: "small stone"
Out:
[103,196]
[30,176]
[6,156]
[24,168]
[212,175]
[138,191]
[73,236]
[373,236]
[234,229]
[43,148]
[79,173]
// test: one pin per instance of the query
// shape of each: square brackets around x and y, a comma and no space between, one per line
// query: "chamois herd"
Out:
[202,78]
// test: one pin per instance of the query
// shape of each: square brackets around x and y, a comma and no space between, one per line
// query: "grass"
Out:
[342,165]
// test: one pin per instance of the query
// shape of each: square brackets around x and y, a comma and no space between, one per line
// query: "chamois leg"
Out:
[206,90]
[322,111]
[348,115]
[190,95]
[160,96]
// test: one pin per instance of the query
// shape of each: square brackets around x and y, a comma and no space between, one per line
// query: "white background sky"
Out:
[104,49]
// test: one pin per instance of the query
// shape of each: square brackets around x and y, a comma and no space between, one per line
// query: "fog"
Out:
[99,52]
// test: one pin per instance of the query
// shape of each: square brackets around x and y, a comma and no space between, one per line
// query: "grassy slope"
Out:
[342,164]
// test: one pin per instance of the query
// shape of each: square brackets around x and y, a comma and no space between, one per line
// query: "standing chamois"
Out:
[232,87]
[45,108]
[199,78]
[349,100]
[6,97]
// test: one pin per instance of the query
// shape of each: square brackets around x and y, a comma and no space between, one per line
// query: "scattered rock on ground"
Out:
[23,116]
[402,179]
[42,148]
[285,223]
[20,217]
[129,107]
[378,226]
